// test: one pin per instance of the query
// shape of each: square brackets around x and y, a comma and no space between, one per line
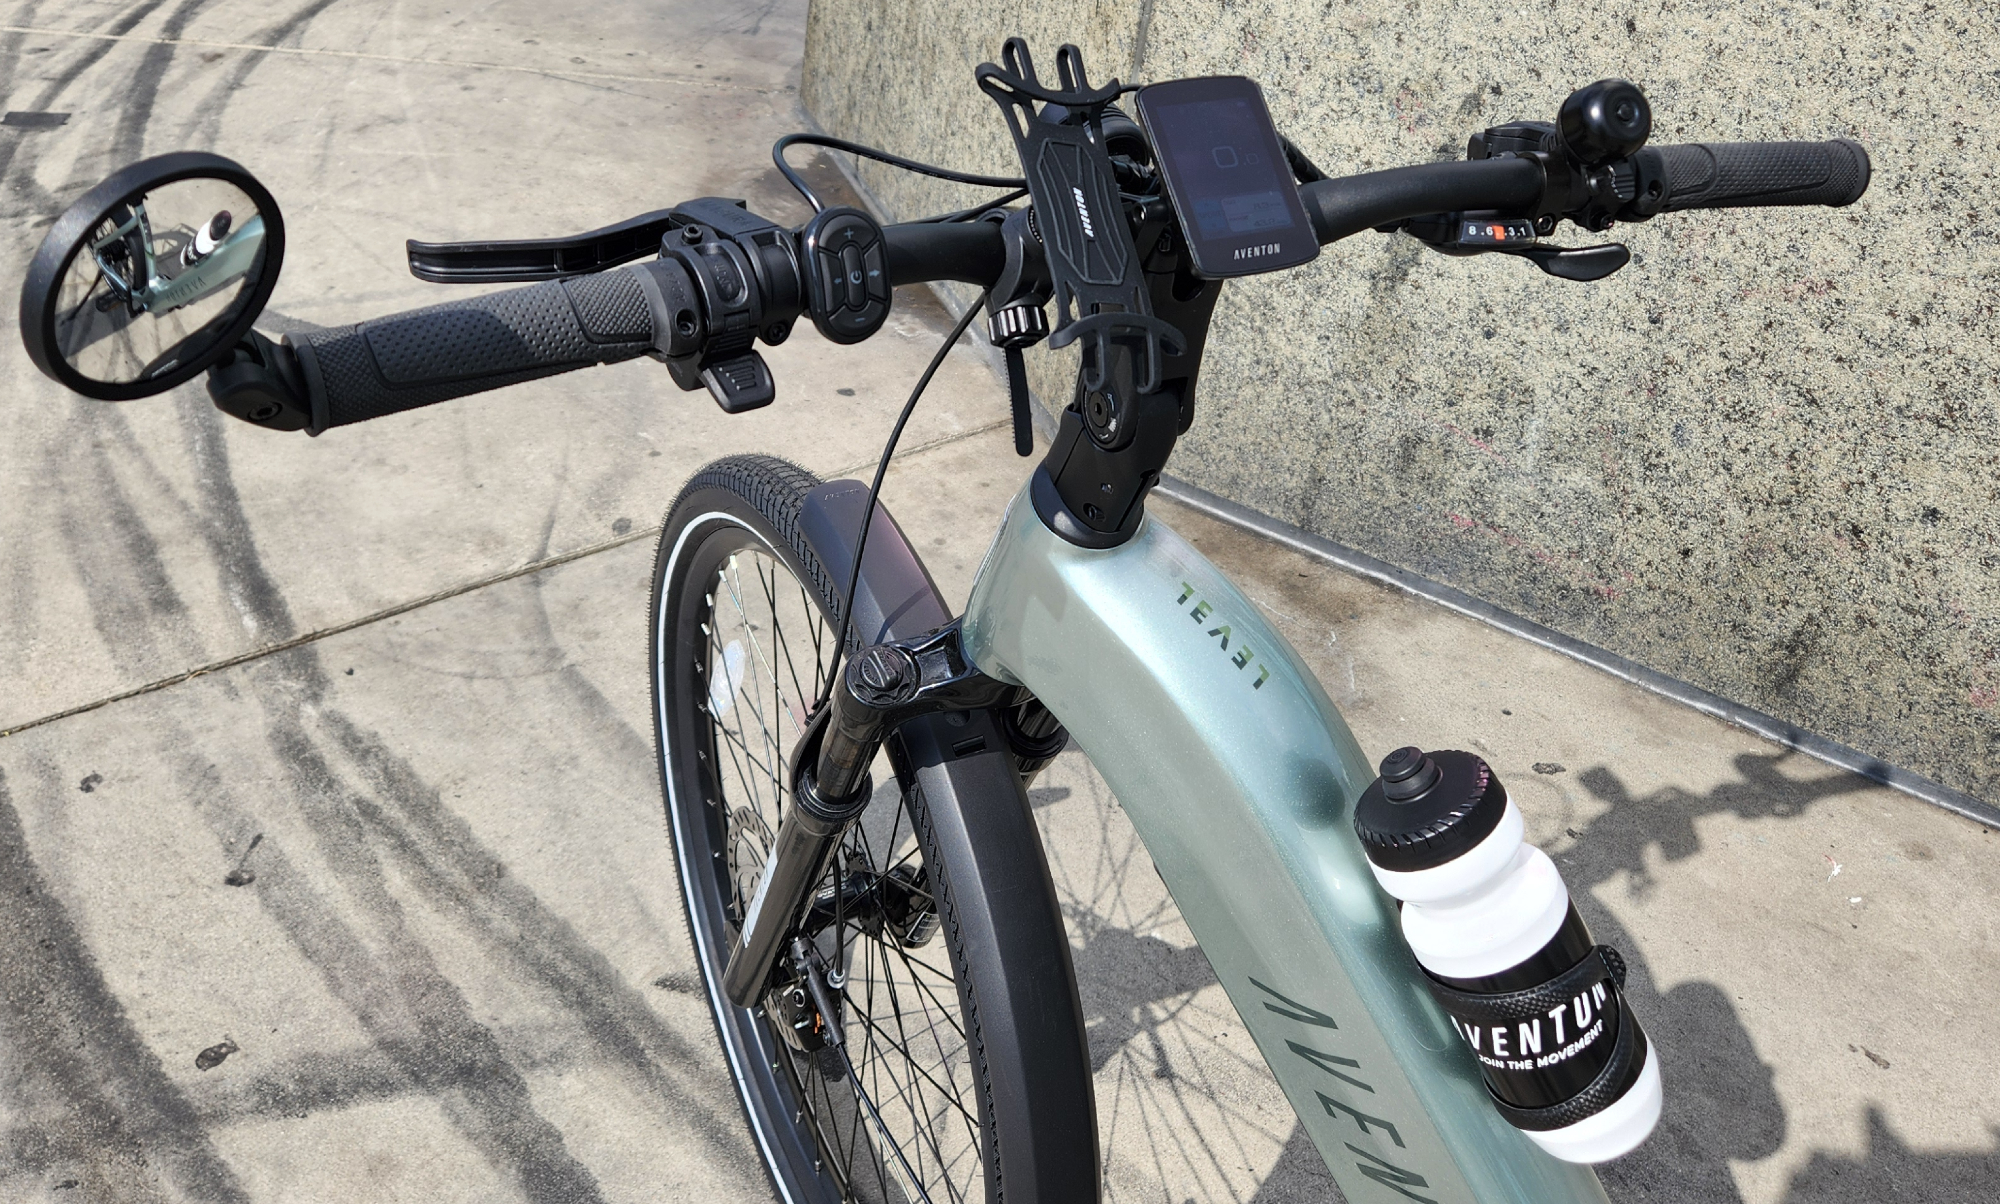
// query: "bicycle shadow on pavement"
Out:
[1721,1101]
[1892,1171]
[1721,1105]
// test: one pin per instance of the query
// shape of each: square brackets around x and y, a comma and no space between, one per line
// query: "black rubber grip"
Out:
[1732,175]
[388,365]
[1351,204]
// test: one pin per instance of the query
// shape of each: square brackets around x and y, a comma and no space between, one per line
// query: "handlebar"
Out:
[1701,175]
[391,364]
[970,252]
[1348,205]
[401,362]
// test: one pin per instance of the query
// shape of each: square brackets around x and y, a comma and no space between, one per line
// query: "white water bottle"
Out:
[1508,958]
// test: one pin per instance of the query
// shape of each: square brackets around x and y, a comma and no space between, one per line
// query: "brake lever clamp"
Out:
[1597,173]
[1591,152]
[745,269]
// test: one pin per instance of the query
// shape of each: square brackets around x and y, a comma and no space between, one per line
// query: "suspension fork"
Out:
[881,687]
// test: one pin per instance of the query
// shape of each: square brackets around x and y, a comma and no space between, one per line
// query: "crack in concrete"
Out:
[403,608]
[409,60]
[310,637]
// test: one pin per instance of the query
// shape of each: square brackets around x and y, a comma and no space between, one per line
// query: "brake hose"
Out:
[875,491]
[855,148]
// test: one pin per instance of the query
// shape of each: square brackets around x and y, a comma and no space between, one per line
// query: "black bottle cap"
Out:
[1428,809]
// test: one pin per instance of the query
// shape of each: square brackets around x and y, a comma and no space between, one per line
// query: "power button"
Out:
[849,294]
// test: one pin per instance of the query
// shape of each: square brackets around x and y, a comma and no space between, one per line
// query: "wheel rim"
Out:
[742,651]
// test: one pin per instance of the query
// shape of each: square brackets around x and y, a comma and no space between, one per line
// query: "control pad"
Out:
[846,265]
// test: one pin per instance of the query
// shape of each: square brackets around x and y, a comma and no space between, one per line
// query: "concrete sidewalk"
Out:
[389,915]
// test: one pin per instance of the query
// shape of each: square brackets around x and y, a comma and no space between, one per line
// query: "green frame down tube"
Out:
[1241,777]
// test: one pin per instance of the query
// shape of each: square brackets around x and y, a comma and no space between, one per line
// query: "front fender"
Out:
[1002,896]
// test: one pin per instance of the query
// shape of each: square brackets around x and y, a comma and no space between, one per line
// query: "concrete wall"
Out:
[1763,458]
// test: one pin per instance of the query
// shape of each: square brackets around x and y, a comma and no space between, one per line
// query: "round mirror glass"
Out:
[158,277]
[152,276]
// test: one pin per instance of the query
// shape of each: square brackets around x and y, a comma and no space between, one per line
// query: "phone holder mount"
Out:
[1595,177]
[1093,267]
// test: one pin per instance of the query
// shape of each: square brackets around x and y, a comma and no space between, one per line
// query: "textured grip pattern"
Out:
[1507,1007]
[1728,175]
[387,365]
[1628,1058]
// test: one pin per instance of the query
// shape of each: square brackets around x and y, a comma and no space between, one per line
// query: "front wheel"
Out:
[922,1099]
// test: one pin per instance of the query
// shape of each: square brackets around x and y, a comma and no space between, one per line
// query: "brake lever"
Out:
[1576,263]
[493,261]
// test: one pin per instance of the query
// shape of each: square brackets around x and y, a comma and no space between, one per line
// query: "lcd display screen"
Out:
[1218,149]
[1227,175]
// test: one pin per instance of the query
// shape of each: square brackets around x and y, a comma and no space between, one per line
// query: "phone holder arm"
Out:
[1093,268]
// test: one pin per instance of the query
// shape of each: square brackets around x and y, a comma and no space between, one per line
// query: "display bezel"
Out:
[1226,255]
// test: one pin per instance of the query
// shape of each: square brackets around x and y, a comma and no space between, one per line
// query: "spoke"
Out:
[749,631]
[939,1004]
[876,971]
[950,1096]
[734,744]
[819,644]
[820,1117]
[735,593]
[902,1044]
[778,633]
[911,1097]
[743,699]
[736,741]
[912,1180]
[754,785]
[915,963]
[739,752]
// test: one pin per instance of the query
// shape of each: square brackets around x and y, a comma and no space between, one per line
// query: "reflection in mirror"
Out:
[156,283]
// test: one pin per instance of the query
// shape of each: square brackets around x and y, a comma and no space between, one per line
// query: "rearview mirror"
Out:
[152,276]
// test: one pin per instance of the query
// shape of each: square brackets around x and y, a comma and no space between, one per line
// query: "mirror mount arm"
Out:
[260,382]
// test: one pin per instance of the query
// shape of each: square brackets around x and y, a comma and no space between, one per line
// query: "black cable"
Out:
[875,491]
[1304,170]
[966,215]
[869,152]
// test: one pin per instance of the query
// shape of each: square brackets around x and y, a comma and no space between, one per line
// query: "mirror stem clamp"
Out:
[261,382]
